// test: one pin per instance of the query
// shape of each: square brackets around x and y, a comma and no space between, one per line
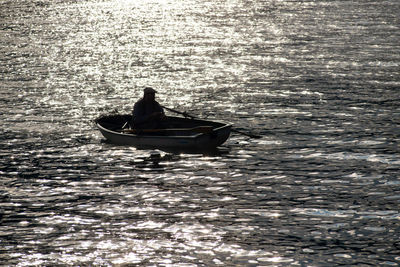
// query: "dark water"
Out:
[319,80]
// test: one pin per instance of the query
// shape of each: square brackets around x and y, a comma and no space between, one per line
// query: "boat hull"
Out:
[184,139]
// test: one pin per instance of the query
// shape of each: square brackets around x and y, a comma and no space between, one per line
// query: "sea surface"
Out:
[318,80]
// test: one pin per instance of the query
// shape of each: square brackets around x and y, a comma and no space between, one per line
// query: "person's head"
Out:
[149,94]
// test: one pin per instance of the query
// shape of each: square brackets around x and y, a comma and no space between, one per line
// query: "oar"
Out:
[193,117]
[247,134]
[179,112]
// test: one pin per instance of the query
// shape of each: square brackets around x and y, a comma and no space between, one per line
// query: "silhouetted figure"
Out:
[147,112]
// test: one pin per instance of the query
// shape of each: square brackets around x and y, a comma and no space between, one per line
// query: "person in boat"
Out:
[147,112]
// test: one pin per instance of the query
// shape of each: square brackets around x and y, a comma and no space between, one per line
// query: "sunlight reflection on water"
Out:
[314,79]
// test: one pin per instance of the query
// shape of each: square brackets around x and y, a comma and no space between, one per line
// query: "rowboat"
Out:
[181,133]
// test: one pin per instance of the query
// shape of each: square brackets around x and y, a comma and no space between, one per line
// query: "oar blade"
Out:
[247,134]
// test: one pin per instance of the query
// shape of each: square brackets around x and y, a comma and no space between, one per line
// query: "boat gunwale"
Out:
[194,136]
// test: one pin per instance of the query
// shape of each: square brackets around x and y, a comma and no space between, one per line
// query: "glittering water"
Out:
[317,79]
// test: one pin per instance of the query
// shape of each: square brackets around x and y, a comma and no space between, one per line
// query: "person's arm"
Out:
[159,110]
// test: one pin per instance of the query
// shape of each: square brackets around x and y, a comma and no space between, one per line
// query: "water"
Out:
[317,79]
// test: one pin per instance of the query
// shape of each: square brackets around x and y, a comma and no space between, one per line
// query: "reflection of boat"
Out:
[181,134]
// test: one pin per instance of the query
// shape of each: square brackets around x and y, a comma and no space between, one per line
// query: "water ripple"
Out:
[314,79]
